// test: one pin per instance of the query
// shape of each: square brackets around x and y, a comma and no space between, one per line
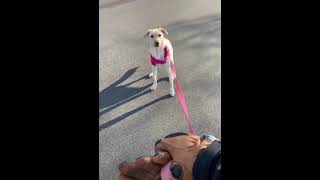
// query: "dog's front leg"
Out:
[151,74]
[170,79]
[154,75]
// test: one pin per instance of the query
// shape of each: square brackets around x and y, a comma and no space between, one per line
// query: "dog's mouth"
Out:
[156,44]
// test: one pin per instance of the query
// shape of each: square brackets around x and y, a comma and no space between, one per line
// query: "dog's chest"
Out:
[158,54]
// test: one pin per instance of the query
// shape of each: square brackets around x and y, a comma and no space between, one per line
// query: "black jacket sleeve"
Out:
[207,165]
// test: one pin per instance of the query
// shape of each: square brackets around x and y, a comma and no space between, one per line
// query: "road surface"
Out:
[131,118]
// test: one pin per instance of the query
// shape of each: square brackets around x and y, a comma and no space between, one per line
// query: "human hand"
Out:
[183,151]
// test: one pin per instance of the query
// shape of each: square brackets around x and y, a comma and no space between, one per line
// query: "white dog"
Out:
[161,53]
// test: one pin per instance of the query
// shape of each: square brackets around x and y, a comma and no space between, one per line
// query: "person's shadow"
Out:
[116,95]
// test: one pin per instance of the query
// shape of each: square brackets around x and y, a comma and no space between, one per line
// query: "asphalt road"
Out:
[131,117]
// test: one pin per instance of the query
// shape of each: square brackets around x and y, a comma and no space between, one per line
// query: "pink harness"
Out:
[165,170]
[155,61]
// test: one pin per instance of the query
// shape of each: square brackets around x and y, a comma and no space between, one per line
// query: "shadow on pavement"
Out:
[116,95]
[115,120]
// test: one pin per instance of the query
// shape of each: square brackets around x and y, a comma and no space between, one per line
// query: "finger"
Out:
[158,177]
[124,167]
[181,141]
[171,136]
[123,177]
[176,134]
[204,143]
[127,168]
[203,147]
[176,143]
[162,158]
[198,142]
[142,168]
[163,146]
[194,137]
[201,144]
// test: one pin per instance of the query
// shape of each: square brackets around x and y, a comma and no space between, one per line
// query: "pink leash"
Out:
[182,99]
[165,170]
[179,91]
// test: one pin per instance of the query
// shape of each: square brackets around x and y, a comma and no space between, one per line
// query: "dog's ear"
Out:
[163,31]
[148,33]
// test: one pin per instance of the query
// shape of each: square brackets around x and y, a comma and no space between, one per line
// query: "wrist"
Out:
[207,162]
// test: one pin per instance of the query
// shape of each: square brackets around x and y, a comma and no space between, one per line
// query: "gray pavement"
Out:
[131,117]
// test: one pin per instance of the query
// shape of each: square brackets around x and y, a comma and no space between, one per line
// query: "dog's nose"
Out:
[156,44]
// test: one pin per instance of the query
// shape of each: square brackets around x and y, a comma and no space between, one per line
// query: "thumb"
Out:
[161,158]
[164,146]
[123,177]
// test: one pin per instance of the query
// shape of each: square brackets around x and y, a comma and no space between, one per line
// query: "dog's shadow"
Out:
[116,95]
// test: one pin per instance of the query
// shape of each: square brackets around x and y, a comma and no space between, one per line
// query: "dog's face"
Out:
[156,36]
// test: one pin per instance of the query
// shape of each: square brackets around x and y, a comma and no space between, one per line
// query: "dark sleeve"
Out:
[208,163]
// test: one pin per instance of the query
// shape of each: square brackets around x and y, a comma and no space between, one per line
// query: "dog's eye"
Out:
[159,35]
[151,36]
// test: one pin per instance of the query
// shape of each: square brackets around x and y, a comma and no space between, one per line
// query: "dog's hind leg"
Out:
[171,78]
[154,75]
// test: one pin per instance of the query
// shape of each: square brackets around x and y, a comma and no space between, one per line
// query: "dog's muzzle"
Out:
[156,44]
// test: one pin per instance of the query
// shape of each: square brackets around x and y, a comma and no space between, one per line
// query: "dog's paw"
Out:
[150,75]
[153,87]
